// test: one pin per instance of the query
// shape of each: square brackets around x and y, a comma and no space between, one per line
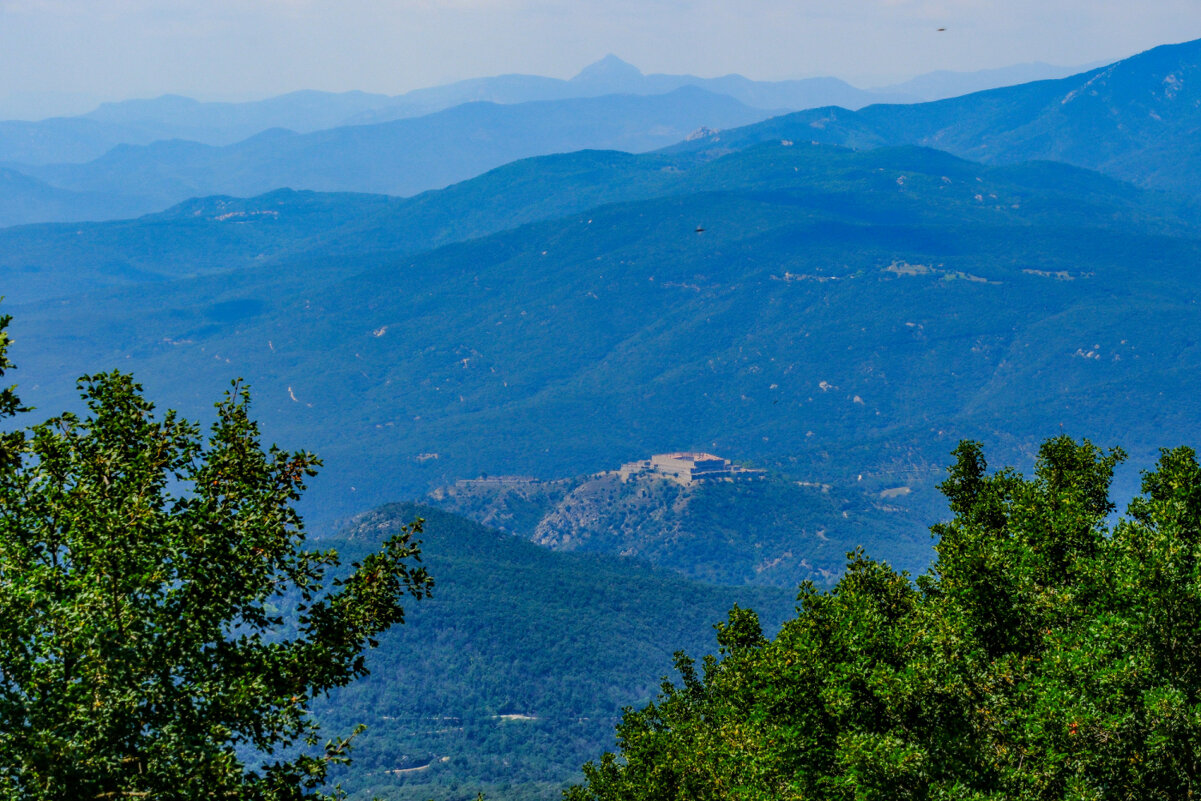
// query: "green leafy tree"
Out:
[9,403]
[162,626]
[1049,653]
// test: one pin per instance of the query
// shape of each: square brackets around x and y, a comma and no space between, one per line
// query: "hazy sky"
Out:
[238,49]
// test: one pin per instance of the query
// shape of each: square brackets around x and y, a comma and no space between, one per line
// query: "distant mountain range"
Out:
[823,294]
[140,122]
[1137,120]
[24,199]
[607,106]
[403,157]
[942,84]
[826,313]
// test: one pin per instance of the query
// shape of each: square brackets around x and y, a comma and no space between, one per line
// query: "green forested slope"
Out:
[217,234]
[558,642]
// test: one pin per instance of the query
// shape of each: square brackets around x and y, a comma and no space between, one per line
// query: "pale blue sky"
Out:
[236,49]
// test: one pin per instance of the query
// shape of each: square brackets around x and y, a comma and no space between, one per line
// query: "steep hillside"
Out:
[209,235]
[511,697]
[224,233]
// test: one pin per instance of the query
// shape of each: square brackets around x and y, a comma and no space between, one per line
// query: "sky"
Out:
[66,55]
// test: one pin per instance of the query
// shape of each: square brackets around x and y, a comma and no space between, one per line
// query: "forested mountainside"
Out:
[825,296]
[1048,652]
[838,314]
[515,671]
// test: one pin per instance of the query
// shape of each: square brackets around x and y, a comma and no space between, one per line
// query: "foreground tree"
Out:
[1045,655]
[162,627]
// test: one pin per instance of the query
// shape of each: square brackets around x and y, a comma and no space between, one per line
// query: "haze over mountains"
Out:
[140,122]
[89,135]
[1136,119]
[399,158]
[144,155]
[608,306]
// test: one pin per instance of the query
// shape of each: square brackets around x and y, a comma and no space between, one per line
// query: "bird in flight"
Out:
[942,29]
[700,230]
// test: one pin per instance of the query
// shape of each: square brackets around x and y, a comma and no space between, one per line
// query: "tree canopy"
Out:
[1050,652]
[162,626]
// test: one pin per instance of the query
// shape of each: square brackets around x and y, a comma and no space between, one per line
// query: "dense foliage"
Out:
[147,574]
[1049,653]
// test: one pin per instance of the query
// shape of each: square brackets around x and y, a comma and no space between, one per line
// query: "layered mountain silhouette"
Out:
[403,157]
[941,84]
[833,296]
[824,312]
[1134,120]
[24,199]
[140,122]
[1137,119]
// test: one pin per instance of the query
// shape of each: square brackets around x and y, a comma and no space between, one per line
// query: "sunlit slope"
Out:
[515,671]
[839,314]
[764,529]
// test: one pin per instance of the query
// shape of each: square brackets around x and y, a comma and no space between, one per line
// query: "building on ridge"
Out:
[687,467]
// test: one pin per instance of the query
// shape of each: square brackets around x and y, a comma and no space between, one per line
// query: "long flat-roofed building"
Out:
[688,467]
